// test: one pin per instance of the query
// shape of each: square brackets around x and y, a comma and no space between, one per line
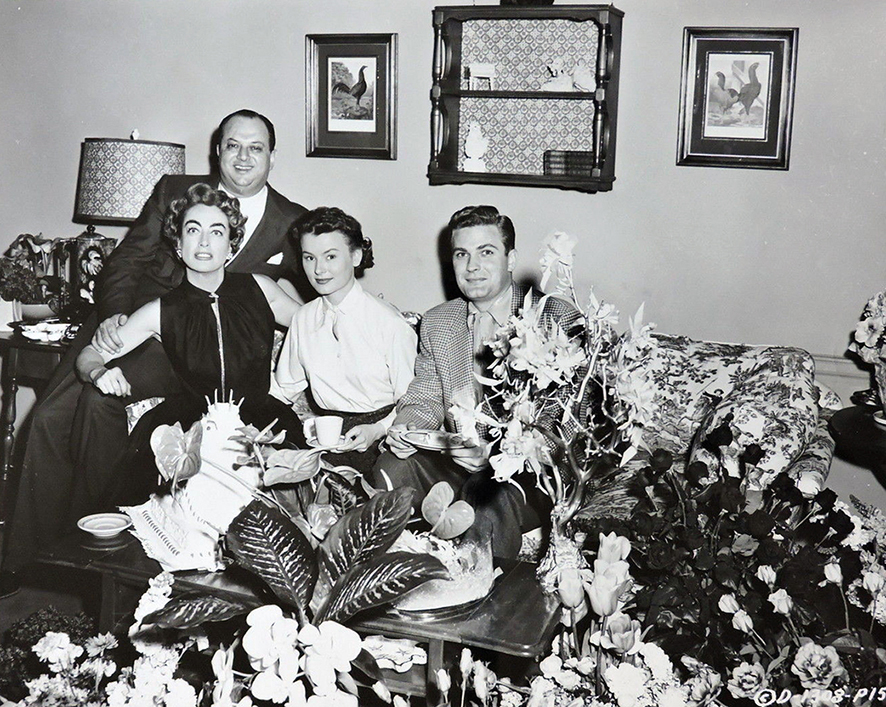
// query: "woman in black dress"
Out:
[217,329]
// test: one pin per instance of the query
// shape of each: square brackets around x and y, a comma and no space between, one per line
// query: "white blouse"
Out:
[356,357]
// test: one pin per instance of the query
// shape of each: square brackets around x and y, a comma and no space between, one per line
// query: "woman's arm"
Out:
[144,323]
[282,304]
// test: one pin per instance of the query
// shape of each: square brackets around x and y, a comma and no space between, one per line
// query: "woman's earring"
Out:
[229,258]
[178,252]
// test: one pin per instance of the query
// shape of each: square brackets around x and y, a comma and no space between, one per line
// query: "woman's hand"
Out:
[111,381]
[361,437]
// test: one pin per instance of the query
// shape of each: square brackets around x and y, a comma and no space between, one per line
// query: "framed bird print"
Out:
[351,87]
[737,97]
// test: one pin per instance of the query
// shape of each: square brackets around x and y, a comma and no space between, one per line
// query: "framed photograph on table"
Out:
[351,101]
[737,97]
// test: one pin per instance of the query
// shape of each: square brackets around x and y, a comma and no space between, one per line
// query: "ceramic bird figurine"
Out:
[476,145]
[583,78]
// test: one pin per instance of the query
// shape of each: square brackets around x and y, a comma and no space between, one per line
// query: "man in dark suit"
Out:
[75,430]
[451,351]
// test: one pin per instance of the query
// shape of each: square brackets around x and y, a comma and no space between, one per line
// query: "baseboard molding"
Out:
[830,366]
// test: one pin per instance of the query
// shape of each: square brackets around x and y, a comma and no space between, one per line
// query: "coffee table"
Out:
[516,619]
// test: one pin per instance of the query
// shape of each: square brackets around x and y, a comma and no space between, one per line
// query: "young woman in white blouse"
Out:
[347,353]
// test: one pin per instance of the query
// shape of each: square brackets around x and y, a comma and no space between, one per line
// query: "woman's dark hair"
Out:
[326,219]
[484,216]
[207,196]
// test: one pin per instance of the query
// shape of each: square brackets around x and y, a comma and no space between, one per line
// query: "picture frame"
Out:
[737,97]
[351,96]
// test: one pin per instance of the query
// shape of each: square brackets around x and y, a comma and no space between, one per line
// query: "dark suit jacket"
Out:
[144,266]
[444,369]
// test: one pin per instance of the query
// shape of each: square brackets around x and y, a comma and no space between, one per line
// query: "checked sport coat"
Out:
[444,369]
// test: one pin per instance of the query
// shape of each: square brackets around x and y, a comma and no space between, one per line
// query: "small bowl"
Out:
[104,525]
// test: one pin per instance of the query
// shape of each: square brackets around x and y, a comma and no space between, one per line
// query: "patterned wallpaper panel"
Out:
[522,49]
[519,130]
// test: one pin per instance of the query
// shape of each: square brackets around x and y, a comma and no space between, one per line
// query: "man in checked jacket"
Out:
[451,350]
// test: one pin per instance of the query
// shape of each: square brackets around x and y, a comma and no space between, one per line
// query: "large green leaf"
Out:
[291,466]
[377,582]
[265,541]
[189,611]
[365,532]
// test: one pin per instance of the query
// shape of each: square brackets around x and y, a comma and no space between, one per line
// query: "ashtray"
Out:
[104,525]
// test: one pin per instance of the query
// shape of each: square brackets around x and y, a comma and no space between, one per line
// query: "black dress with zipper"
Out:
[220,346]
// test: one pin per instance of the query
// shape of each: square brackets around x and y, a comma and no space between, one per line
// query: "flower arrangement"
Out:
[24,272]
[568,401]
[869,338]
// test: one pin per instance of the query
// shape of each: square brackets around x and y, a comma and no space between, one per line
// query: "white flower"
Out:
[557,259]
[657,661]
[817,667]
[747,680]
[833,573]
[742,621]
[766,574]
[99,644]
[180,693]
[728,604]
[873,582]
[56,649]
[627,682]
[329,648]
[613,548]
[781,602]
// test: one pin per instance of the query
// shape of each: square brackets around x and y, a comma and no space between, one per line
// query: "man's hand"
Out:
[106,337]
[111,381]
[361,437]
[473,457]
[399,446]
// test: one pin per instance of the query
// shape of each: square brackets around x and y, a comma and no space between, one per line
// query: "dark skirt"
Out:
[361,461]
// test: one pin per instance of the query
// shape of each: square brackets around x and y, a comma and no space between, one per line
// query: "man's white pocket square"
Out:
[275,259]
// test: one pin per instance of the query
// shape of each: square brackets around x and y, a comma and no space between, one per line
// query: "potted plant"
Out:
[24,278]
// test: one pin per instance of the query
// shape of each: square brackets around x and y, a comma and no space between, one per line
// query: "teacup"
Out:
[326,429]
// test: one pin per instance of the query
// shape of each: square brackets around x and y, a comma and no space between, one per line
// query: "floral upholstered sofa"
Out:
[766,394]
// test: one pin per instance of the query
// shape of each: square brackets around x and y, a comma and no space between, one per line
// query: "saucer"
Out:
[104,525]
[313,443]
[879,418]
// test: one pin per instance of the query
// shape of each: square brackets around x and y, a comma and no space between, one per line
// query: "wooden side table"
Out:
[516,619]
[28,363]
[860,439]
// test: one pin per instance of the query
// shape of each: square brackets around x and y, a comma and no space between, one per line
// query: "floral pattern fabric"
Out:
[767,395]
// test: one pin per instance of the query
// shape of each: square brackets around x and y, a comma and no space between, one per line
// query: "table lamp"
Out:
[115,180]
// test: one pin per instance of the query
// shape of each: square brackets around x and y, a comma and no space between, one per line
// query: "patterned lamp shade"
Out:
[117,176]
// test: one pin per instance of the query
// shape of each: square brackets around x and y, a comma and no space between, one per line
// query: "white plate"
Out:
[434,440]
[879,418]
[104,525]
[45,331]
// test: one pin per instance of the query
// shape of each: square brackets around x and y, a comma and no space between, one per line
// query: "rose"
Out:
[747,680]
[817,667]
[833,573]
[781,602]
[744,545]
[766,574]
[742,621]
[728,604]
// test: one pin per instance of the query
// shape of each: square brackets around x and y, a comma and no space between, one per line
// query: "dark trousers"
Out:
[500,510]
[75,443]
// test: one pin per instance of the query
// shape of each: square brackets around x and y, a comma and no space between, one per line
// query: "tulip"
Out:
[728,604]
[444,683]
[380,689]
[742,621]
[781,602]
[613,548]
[604,592]
[571,588]
[622,633]
[833,573]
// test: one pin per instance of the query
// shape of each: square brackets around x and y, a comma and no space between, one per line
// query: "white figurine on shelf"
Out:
[481,76]
[583,78]
[475,147]
[561,79]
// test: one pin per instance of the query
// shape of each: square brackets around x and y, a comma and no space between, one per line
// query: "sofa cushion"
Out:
[774,406]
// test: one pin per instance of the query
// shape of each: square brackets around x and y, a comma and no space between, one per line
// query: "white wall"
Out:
[725,254]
